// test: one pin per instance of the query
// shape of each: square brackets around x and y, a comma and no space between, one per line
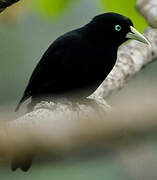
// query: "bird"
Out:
[77,62]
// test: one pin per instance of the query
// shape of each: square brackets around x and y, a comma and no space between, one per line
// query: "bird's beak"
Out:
[134,34]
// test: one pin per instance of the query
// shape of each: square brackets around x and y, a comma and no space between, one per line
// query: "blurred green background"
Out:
[26,30]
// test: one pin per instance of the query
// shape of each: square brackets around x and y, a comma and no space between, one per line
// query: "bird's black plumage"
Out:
[78,61]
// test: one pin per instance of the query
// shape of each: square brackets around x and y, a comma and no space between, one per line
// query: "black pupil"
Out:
[118,27]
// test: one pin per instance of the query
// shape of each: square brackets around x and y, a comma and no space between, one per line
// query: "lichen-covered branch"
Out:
[148,8]
[64,129]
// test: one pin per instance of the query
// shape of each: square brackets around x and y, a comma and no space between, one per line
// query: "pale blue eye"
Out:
[118,27]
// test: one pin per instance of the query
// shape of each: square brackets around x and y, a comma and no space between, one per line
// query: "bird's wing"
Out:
[50,68]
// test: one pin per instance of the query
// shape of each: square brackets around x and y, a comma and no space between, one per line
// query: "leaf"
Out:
[128,9]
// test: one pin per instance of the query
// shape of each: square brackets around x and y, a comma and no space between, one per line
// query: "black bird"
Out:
[78,62]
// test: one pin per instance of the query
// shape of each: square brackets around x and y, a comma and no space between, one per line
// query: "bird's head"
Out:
[113,28]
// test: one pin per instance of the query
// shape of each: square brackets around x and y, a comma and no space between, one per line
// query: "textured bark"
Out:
[148,8]
[6,3]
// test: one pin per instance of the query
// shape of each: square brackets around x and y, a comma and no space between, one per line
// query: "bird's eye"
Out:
[118,27]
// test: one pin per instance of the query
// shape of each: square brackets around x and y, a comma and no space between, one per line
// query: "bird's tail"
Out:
[23,162]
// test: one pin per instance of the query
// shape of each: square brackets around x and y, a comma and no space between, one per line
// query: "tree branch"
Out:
[148,8]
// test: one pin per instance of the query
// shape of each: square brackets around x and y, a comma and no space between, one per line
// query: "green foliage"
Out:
[126,8]
[52,7]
